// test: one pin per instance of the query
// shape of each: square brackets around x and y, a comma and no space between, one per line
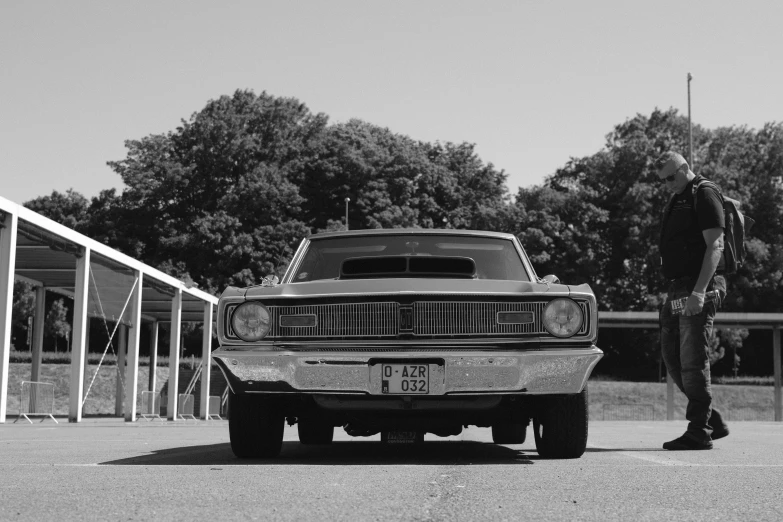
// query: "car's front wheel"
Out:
[255,426]
[560,426]
[314,432]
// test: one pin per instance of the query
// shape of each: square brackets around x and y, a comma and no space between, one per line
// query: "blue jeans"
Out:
[685,351]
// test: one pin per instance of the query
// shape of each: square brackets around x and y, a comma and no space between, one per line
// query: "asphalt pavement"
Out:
[107,469]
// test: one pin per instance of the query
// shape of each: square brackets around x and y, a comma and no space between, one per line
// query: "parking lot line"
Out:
[665,461]
[648,458]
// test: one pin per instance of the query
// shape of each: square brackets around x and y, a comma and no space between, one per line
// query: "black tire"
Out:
[255,426]
[314,432]
[509,432]
[560,426]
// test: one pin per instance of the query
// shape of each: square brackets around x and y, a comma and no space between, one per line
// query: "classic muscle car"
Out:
[404,332]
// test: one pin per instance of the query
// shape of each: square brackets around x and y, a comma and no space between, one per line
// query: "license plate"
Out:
[405,379]
[402,437]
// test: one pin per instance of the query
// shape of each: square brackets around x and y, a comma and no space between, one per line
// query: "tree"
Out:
[723,341]
[394,181]
[379,170]
[560,231]
[621,183]
[214,200]
[473,194]
[57,324]
[748,166]
[23,307]
[69,209]
[225,198]
[23,304]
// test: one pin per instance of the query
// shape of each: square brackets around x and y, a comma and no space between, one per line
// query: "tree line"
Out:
[225,198]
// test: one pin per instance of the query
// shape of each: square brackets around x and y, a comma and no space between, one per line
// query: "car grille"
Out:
[339,320]
[423,319]
[439,318]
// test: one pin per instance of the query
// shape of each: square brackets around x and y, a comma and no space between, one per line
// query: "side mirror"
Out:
[551,278]
[270,280]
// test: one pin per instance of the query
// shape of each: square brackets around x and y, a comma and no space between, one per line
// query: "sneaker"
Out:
[719,433]
[686,443]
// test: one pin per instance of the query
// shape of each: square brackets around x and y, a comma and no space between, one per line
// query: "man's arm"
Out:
[714,239]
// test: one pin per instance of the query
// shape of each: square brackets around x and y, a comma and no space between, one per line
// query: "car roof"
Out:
[418,231]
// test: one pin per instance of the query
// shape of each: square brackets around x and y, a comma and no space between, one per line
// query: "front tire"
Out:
[560,426]
[255,426]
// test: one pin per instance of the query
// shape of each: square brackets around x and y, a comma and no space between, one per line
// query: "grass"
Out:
[647,401]
[610,400]
[745,380]
[100,400]
[100,379]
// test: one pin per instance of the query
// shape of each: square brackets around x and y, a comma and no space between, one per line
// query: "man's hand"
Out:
[694,305]
[713,238]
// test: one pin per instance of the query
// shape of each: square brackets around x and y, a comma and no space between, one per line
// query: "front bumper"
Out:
[553,371]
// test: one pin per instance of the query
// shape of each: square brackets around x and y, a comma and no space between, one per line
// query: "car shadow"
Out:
[615,450]
[340,453]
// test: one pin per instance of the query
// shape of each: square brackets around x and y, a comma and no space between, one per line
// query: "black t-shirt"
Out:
[682,243]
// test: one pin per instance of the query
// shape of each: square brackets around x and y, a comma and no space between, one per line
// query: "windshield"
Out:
[495,258]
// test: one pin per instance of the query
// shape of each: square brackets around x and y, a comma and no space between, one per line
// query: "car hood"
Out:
[397,286]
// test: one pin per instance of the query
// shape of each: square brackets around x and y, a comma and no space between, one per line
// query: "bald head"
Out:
[674,171]
[669,163]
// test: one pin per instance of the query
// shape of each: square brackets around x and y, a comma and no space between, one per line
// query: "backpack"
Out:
[737,227]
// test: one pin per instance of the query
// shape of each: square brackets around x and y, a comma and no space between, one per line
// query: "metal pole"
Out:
[8,231]
[153,356]
[132,350]
[122,350]
[174,340]
[38,332]
[79,347]
[777,372]
[347,200]
[690,133]
[206,363]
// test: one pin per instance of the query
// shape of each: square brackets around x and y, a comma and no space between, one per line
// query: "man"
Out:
[691,246]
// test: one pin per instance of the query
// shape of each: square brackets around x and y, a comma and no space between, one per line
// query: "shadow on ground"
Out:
[340,453]
[615,450]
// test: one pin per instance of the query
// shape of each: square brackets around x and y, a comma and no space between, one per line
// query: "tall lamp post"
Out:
[690,133]
[347,200]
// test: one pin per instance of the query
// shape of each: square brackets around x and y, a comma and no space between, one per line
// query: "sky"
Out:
[530,83]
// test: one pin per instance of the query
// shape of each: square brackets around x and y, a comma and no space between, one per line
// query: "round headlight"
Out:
[251,321]
[562,317]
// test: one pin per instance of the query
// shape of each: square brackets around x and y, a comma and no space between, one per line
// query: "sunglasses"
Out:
[669,178]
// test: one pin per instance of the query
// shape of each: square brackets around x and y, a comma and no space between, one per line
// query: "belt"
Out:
[683,279]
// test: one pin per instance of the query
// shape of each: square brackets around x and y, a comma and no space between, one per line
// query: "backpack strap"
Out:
[704,182]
